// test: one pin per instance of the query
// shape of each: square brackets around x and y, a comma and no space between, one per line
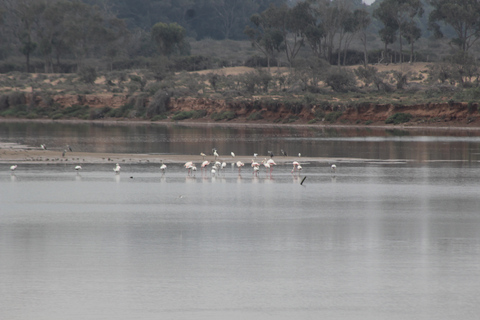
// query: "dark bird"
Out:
[301,183]
[270,153]
[283,152]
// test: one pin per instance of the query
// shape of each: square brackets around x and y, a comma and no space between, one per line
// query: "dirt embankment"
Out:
[440,114]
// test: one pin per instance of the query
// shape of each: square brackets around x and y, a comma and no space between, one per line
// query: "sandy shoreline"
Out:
[18,154]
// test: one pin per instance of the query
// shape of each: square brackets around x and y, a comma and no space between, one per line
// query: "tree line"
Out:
[55,30]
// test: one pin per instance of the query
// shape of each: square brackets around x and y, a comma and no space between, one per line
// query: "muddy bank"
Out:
[279,112]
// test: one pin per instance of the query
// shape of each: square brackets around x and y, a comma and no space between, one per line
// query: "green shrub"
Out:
[290,119]
[158,104]
[159,117]
[199,114]
[319,114]
[255,116]
[341,80]
[88,75]
[182,115]
[333,116]
[226,115]
[398,118]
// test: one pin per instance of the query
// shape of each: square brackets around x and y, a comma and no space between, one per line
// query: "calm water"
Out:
[375,240]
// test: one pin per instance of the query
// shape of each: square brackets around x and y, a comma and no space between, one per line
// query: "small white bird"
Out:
[203,155]
[233,154]
[299,155]
[163,167]
[117,168]
[43,146]
[255,155]
[334,168]
[12,168]
[215,154]
[78,168]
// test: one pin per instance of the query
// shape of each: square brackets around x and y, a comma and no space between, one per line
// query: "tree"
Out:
[395,15]
[264,36]
[411,33]
[22,18]
[363,19]
[168,37]
[462,15]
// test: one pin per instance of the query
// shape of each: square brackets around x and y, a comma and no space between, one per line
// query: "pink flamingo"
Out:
[295,165]
[188,166]
[271,163]
[240,164]
[204,165]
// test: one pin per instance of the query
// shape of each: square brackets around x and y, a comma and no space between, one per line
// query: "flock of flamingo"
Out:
[218,166]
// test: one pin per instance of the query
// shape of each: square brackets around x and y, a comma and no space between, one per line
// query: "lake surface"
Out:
[394,235]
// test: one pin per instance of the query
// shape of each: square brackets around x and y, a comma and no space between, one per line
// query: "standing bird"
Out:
[295,166]
[215,154]
[233,154]
[69,148]
[283,152]
[203,155]
[334,168]
[299,155]
[191,168]
[12,168]
[240,164]
[163,167]
[43,146]
[270,153]
[117,169]
[204,165]
[78,168]
[255,155]
[63,153]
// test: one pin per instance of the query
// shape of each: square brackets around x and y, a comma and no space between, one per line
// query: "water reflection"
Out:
[369,143]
